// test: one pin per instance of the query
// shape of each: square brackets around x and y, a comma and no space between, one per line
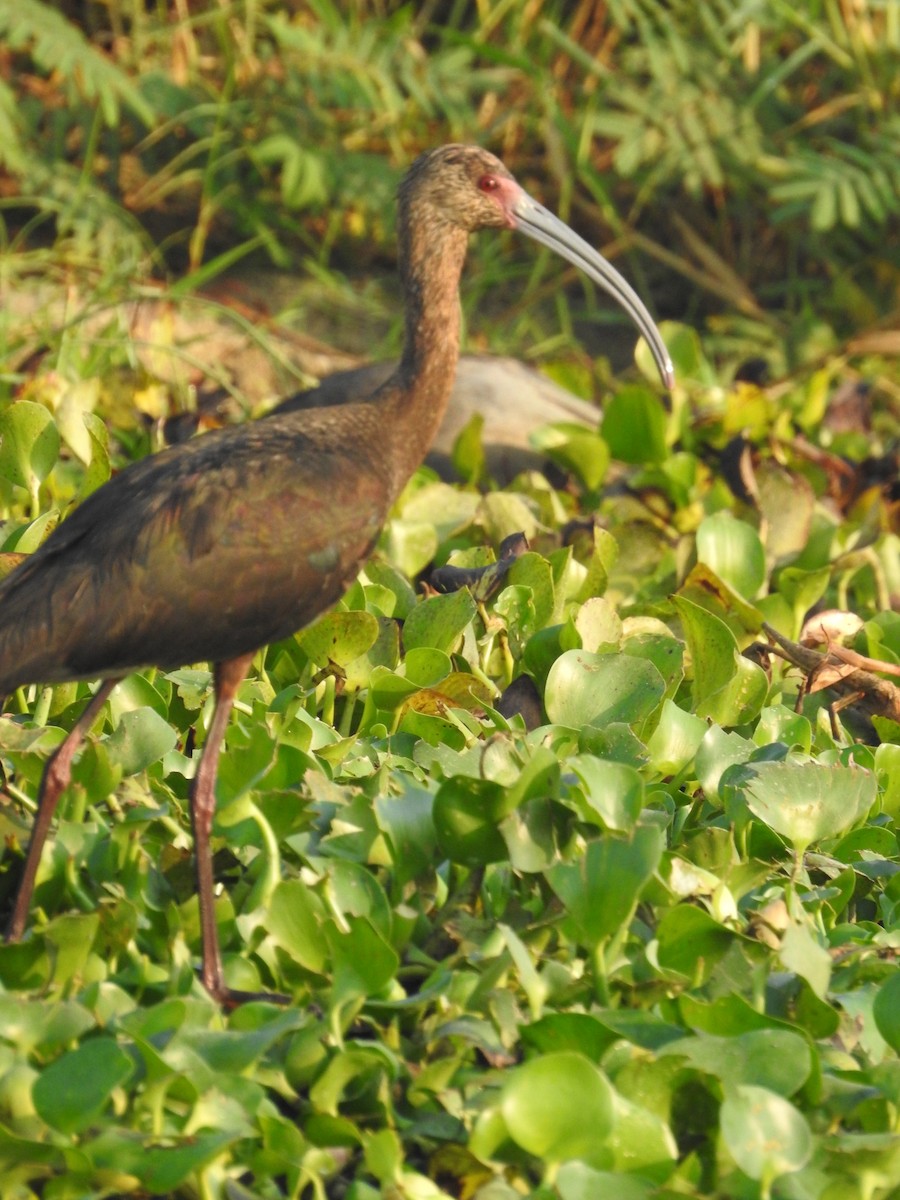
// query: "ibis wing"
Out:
[205,551]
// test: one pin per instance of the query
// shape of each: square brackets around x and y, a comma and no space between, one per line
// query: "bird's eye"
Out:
[488,183]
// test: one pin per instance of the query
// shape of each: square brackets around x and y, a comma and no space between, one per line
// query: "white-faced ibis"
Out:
[214,548]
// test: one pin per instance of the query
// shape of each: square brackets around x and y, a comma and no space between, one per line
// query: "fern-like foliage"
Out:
[57,45]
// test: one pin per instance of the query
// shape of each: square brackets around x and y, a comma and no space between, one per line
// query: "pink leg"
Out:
[228,677]
[57,774]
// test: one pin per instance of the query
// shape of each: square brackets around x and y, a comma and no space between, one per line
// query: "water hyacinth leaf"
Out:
[559,1107]
[802,952]
[98,469]
[598,624]
[29,444]
[578,1181]
[641,1141]
[803,801]
[410,545]
[727,688]
[675,740]
[161,1169]
[529,835]
[364,961]
[28,537]
[504,513]
[706,589]
[886,1009]
[788,504]
[601,890]
[733,549]
[78,399]
[439,621]
[764,1133]
[339,637]
[141,738]
[575,448]
[42,1026]
[532,571]
[664,651]
[634,425]
[771,1058]
[717,752]
[569,1031]
[467,455]
[779,724]
[599,689]
[294,921]
[686,352]
[802,589]
[406,820]
[72,1091]
[610,791]
[71,936]
[466,815]
[691,942]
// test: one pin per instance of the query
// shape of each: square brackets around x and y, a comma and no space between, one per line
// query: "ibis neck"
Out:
[431,261]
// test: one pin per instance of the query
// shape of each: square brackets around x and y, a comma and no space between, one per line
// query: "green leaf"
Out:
[339,637]
[771,1058]
[559,1107]
[466,815]
[886,1009]
[576,449]
[733,550]
[634,425]
[764,1133]
[29,444]
[727,688]
[295,923]
[803,801]
[439,621]
[602,889]
[599,689]
[610,791]
[74,1090]
[691,942]
[141,738]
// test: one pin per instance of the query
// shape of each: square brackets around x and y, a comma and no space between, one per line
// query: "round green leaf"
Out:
[691,941]
[775,1059]
[559,1107]
[339,637]
[598,689]
[29,444]
[764,1133]
[804,801]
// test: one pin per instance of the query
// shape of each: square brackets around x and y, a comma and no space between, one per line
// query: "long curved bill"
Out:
[539,223]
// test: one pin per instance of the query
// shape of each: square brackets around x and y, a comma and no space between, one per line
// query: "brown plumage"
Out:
[212,549]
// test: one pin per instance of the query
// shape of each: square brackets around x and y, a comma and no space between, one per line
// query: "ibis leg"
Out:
[57,774]
[228,677]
